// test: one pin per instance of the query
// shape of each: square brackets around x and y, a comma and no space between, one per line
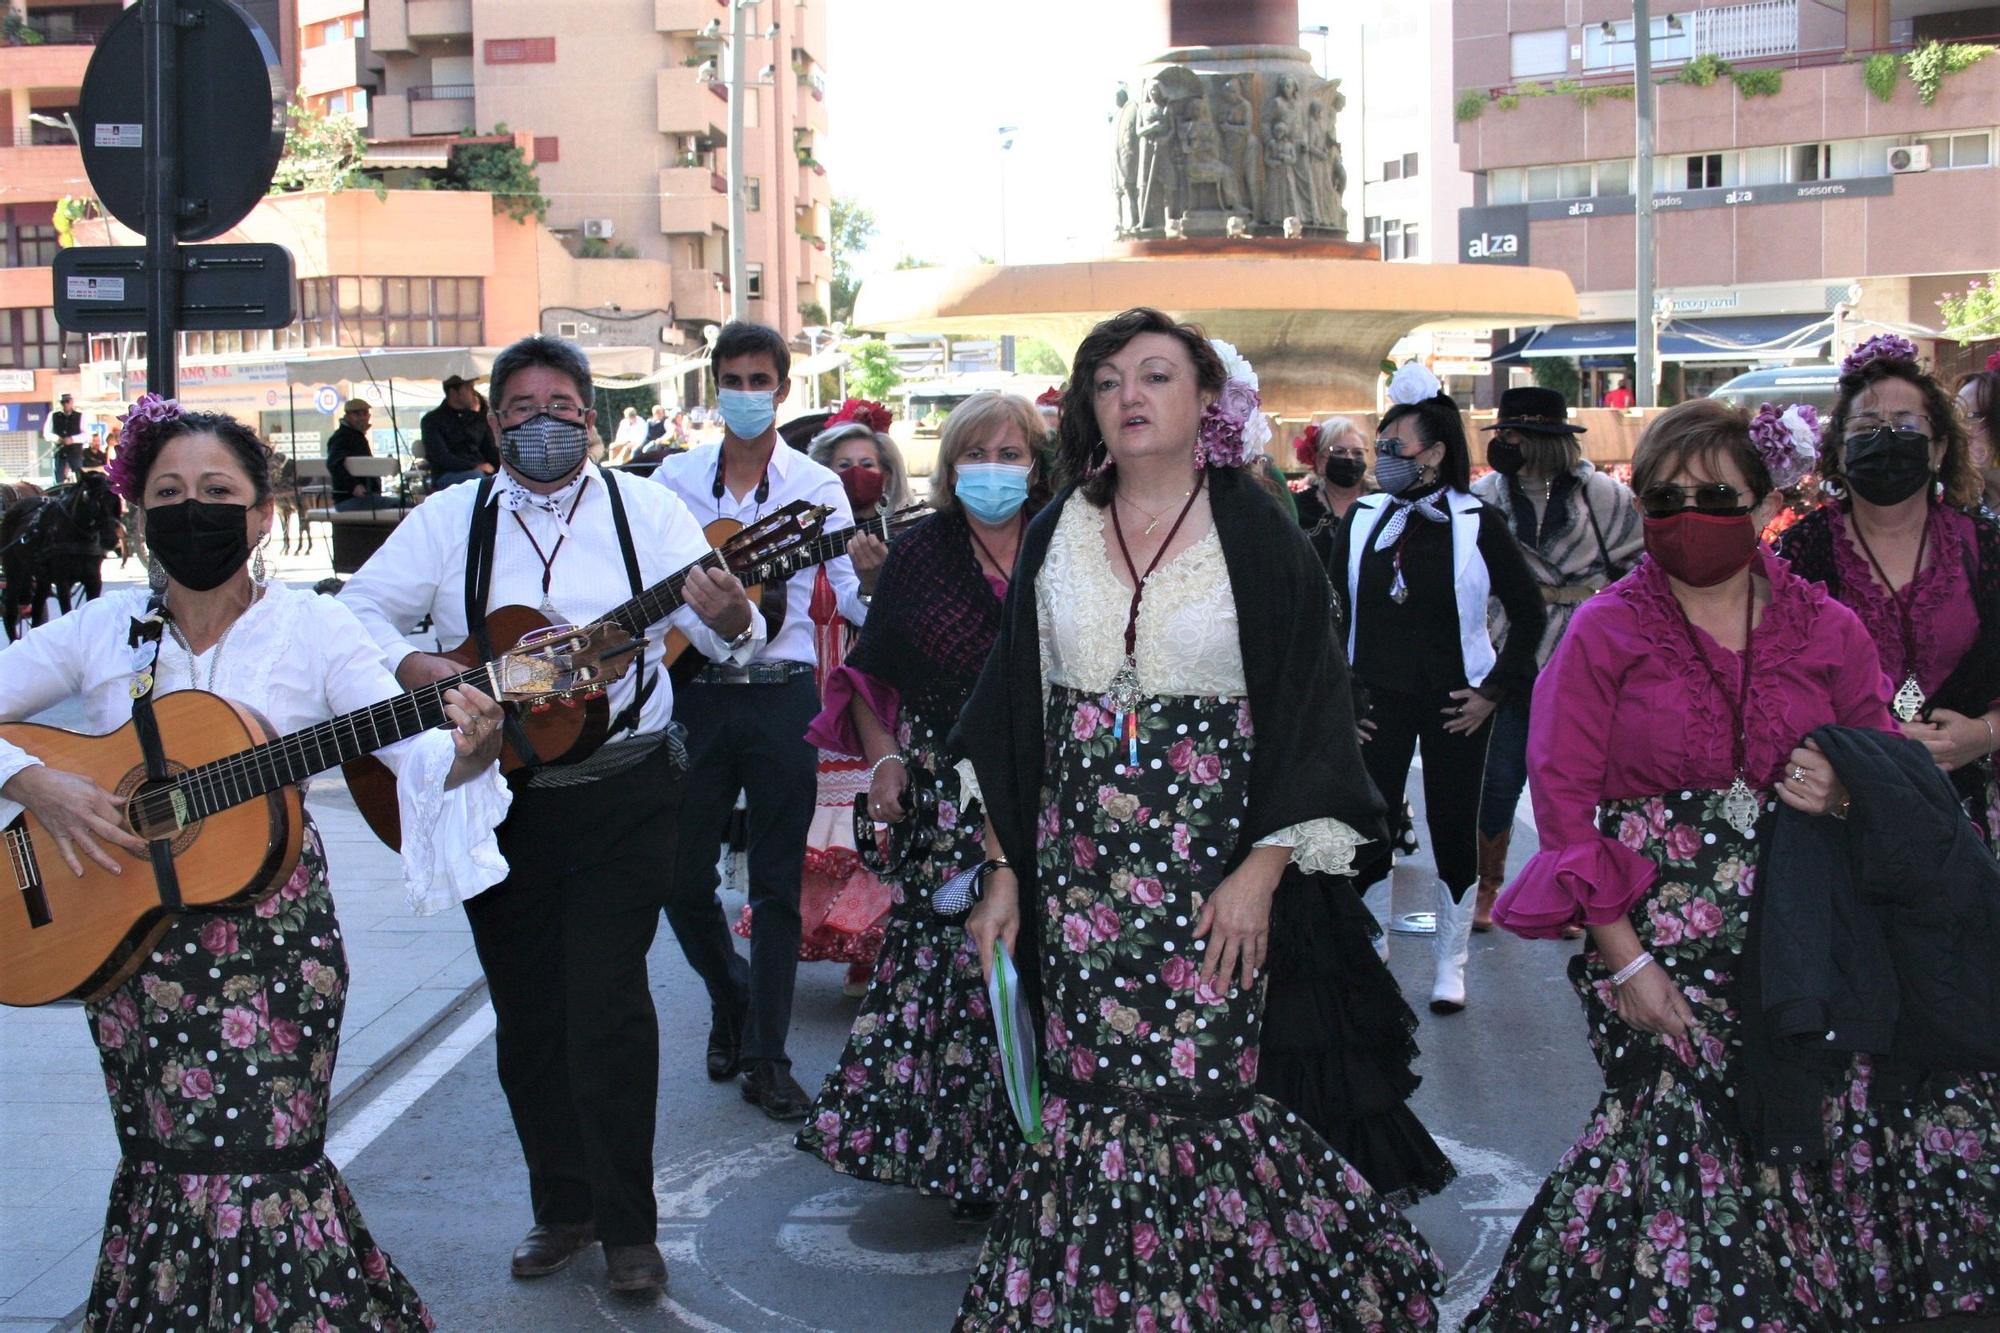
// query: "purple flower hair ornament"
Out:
[1234,430]
[1787,439]
[1881,347]
[147,414]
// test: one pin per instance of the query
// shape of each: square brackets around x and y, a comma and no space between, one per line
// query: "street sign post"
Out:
[181,124]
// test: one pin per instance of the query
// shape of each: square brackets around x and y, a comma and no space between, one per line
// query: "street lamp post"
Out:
[1323,32]
[1646,348]
[739,42]
[1007,133]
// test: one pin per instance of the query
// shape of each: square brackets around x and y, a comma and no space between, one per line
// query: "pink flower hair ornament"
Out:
[1787,439]
[1881,347]
[149,413]
[1993,363]
[1234,430]
[869,413]
[1305,446]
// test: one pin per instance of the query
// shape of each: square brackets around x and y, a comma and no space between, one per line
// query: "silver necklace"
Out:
[215,662]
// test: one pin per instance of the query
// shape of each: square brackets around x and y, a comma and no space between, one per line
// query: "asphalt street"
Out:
[760,1237]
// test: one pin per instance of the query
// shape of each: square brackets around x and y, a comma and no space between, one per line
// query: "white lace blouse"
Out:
[296,657]
[1188,643]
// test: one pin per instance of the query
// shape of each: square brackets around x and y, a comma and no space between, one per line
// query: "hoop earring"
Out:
[156,574]
[1100,460]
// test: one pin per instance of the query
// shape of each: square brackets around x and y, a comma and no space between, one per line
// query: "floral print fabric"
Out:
[916,1098]
[225,1043]
[1178,1199]
[1659,1217]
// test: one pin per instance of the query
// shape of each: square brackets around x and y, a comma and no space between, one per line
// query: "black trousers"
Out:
[563,940]
[1454,776]
[748,739]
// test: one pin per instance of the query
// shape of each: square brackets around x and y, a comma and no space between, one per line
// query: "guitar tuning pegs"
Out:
[540,706]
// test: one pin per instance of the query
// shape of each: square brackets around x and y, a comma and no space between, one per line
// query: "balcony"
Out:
[440,108]
[330,68]
[688,15]
[693,200]
[68,27]
[686,106]
[1747,32]
[698,295]
[41,175]
[46,66]
[429,20]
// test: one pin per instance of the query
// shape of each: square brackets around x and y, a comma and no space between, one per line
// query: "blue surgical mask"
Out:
[748,413]
[991,492]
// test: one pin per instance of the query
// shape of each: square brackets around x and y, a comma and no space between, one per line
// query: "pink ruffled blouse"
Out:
[1626,709]
[1943,617]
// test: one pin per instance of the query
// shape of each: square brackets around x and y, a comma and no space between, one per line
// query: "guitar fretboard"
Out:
[216,786]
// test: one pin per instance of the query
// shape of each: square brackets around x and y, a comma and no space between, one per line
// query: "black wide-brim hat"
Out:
[1536,410]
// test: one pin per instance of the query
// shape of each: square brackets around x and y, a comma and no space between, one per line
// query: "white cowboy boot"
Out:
[1381,903]
[1449,948]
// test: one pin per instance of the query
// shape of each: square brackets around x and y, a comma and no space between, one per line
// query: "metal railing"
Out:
[56,31]
[440,92]
[39,136]
[1747,32]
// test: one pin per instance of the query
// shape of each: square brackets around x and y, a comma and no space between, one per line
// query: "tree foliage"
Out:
[1973,315]
[872,370]
[1930,64]
[501,170]
[1559,373]
[1881,73]
[322,152]
[1035,356]
[853,233]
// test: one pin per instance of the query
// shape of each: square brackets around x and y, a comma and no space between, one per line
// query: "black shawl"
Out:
[933,618]
[1306,760]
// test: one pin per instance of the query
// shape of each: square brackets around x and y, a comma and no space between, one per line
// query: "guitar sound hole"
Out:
[149,809]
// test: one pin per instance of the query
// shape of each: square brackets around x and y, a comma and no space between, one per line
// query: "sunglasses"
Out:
[1711,497]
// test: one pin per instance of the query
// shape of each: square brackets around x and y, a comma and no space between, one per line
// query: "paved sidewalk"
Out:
[57,1149]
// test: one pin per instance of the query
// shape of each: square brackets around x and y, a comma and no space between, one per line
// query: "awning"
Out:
[1731,338]
[1510,352]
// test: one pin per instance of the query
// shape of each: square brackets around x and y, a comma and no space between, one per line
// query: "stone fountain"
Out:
[1227,184]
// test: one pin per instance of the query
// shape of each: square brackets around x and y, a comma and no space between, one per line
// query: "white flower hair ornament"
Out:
[1234,430]
[1787,439]
[1413,383]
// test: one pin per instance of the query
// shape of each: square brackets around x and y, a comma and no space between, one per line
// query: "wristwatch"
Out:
[742,640]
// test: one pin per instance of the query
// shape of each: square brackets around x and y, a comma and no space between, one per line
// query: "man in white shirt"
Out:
[746,729]
[563,938]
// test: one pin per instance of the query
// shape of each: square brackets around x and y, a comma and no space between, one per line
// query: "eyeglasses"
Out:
[562,409]
[1904,423]
[1719,498]
[1389,447]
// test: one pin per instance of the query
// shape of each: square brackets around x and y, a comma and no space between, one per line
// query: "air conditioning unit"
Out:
[1910,157]
[566,328]
[600,229]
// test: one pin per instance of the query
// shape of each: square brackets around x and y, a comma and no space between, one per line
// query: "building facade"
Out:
[627,106]
[1803,195]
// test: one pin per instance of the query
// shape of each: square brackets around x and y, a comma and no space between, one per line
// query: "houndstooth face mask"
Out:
[545,448]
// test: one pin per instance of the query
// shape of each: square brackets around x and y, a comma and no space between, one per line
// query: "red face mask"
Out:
[1702,550]
[862,484]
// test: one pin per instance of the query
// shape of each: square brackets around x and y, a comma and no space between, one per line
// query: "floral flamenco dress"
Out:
[218,1054]
[916,1097]
[1916,1160]
[1661,1216]
[1166,1192]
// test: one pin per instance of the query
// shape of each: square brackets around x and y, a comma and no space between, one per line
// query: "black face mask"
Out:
[1886,467]
[199,544]
[1504,456]
[1345,472]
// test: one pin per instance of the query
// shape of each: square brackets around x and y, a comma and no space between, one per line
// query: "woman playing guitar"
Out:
[218,1051]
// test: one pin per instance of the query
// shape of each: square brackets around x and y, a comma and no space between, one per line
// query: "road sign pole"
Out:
[163,180]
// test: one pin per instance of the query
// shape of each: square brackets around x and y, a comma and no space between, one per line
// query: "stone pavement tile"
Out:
[59,1289]
[21,1186]
[52,1089]
[42,1239]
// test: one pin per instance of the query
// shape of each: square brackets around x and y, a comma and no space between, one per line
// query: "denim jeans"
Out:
[1506,768]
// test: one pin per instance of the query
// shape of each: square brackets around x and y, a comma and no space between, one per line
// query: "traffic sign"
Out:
[102,288]
[229,129]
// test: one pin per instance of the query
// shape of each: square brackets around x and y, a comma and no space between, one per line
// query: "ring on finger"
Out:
[1798,773]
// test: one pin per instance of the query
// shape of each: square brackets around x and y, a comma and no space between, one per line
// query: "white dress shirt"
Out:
[296,657]
[420,571]
[692,476]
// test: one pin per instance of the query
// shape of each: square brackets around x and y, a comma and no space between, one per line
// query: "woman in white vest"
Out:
[1421,560]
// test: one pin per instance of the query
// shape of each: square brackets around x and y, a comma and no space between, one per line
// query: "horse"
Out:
[290,508]
[54,542]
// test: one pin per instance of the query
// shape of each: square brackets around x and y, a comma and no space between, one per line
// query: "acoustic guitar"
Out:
[231,810]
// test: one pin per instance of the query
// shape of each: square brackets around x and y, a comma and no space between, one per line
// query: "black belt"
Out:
[300,1156]
[757,673]
[1152,1101]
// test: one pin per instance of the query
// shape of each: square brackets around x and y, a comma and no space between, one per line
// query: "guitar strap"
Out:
[147,725]
[628,718]
[478,587]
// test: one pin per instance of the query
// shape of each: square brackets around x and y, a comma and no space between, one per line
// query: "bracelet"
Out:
[1631,969]
[885,759]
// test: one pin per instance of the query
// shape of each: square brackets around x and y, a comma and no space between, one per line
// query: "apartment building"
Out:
[1792,196]
[627,106]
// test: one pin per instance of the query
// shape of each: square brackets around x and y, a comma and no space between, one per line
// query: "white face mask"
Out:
[748,413]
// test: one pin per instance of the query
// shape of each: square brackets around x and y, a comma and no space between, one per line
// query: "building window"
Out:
[1611,46]
[548,148]
[1409,165]
[1812,162]
[30,339]
[1958,151]
[753,281]
[1392,239]
[1537,55]
[753,194]
[1374,229]
[1704,171]
[1614,177]
[1544,183]
[391,312]
[1506,185]
[1574,181]
[1392,170]
[28,237]
[521,51]
[1410,250]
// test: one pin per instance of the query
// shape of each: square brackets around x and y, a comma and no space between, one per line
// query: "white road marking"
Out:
[1510,1188]
[819,1234]
[382,1110]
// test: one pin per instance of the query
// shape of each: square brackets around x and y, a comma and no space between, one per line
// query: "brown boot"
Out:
[1492,875]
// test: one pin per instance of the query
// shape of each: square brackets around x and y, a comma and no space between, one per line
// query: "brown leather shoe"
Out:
[549,1247]
[769,1083]
[1492,878]
[635,1268]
